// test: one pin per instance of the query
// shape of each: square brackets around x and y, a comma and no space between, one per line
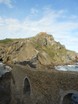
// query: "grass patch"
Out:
[5,41]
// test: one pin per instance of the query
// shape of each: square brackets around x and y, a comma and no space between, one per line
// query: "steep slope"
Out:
[41,49]
[52,51]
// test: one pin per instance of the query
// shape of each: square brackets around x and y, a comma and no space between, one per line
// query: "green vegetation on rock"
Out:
[7,40]
[42,47]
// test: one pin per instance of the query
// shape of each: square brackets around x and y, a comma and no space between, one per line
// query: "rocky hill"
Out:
[41,49]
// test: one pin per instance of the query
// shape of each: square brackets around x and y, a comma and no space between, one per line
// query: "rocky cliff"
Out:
[41,49]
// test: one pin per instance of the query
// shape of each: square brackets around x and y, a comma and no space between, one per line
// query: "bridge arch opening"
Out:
[67,99]
[26,89]
[70,97]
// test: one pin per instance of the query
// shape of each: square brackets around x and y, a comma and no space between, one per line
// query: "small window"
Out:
[26,89]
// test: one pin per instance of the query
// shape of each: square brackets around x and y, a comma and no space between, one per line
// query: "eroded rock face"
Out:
[5,84]
[24,50]
[44,58]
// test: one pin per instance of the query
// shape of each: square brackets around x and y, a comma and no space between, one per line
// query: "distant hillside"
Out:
[41,49]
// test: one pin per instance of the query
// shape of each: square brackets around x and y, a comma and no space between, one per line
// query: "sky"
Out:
[26,18]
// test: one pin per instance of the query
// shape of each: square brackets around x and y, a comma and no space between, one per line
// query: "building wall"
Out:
[5,88]
[45,87]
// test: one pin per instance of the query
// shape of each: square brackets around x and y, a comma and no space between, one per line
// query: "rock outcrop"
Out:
[42,49]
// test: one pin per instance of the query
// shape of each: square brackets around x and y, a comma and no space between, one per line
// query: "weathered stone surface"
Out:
[5,84]
[45,87]
[44,58]
[24,50]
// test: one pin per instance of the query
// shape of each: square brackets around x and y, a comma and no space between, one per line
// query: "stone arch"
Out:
[69,97]
[26,88]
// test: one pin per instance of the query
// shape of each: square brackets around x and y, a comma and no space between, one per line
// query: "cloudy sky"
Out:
[26,18]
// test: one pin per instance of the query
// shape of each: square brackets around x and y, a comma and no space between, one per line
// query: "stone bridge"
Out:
[30,86]
[42,87]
